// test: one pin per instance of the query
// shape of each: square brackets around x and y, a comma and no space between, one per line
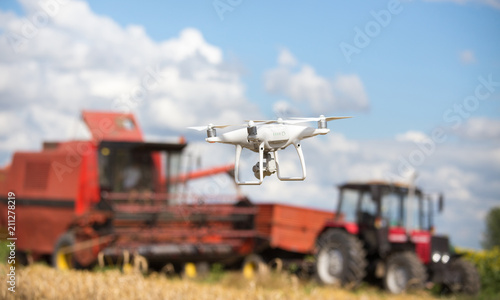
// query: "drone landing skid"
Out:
[268,169]
[237,166]
[302,163]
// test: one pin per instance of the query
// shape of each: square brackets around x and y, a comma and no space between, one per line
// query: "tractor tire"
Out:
[340,259]
[465,279]
[404,272]
[62,260]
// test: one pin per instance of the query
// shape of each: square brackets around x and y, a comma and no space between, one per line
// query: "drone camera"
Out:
[269,167]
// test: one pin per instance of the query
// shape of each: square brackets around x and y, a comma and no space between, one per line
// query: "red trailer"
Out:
[291,228]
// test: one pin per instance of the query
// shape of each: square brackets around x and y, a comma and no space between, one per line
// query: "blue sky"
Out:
[411,68]
[266,59]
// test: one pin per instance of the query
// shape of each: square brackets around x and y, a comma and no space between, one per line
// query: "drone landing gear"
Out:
[302,163]
[267,165]
[260,166]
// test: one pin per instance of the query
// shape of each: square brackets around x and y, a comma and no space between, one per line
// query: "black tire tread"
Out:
[67,239]
[417,271]
[471,283]
[355,266]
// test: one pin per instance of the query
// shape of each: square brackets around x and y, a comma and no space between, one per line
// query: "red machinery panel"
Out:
[291,228]
[50,187]
[112,126]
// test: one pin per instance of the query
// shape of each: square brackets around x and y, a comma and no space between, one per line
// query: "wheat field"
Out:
[43,282]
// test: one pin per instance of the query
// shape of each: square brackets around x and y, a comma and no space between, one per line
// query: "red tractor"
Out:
[385,232]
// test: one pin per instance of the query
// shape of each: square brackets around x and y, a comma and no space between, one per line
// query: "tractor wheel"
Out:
[61,258]
[404,272]
[465,278]
[254,266]
[340,259]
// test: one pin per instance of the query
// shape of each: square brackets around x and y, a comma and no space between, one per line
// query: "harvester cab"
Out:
[387,232]
[133,171]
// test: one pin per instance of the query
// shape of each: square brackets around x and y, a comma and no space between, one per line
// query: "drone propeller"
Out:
[209,126]
[279,121]
[320,118]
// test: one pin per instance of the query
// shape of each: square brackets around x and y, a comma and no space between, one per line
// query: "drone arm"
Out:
[302,163]
[237,166]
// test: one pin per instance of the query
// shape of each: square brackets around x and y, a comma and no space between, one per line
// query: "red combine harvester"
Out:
[115,198]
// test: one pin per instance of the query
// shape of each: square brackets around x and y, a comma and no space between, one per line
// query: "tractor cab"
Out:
[389,217]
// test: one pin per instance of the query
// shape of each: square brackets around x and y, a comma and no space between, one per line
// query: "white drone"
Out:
[266,137]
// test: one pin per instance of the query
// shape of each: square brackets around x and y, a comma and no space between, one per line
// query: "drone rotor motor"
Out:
[252,131]
[211,132]
[322,124]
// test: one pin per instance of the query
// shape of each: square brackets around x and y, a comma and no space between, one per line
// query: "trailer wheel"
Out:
[189,270]
[465,278]
[340,259]
[196,270]
[404,271]
[61,258]
[254,266]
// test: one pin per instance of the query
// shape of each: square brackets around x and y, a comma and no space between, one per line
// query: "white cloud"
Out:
[467,57]
[286,58]
[80,60]
[412,136]
[284,109]
[480,128]
[323,95]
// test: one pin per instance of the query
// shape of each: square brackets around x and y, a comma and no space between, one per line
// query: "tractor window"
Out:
[425,216]
[391,209]
[412,211]
[349,200]
[368,209]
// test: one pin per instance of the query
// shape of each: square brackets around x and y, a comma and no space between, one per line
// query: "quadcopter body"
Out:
[267,137]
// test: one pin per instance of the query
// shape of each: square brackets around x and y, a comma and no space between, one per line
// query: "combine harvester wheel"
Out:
[254,266]
[62,258]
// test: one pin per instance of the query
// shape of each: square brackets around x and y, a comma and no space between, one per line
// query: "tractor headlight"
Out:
[436,257]
[445,259]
